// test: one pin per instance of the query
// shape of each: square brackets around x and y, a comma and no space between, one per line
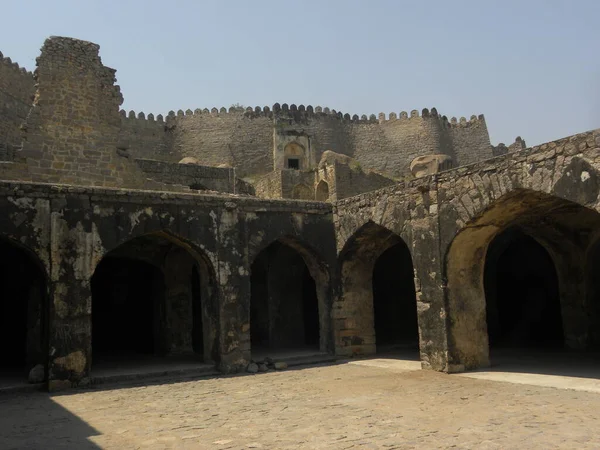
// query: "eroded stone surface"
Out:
[429,165]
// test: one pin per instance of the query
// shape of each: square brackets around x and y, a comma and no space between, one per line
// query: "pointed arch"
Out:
[154,294]
[322,191]
[377,302]
[290,297]
[552,226]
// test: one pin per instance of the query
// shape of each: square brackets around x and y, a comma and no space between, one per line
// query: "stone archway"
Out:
[377,309]
[322,191]
[289,300]
[23,314]
[547,234]
[153,296]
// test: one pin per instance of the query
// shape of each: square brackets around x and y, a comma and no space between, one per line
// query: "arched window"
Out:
[322,191]
[295,156]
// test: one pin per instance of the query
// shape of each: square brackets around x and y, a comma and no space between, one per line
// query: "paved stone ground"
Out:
[348,406]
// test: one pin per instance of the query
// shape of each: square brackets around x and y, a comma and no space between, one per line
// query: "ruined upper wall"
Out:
[17,88]
[72,132]
[248,139]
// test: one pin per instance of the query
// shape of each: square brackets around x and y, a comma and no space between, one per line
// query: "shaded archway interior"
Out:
[592,276]
[284,307]
[517,285]
[151,300]
[378,299]
[22,312]
[394,301]
[522,294]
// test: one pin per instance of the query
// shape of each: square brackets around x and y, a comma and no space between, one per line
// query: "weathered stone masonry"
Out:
[117,249]
[71,229]
[448,221]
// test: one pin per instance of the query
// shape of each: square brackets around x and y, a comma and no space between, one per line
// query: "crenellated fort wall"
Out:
[245,138]
[251,140]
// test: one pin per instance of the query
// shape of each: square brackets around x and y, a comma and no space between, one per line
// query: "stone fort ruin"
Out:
[227,235]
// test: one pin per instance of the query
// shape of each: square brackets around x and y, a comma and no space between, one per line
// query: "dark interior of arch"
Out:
[22,309]
[128,299]
[394,300]
[593,296]
[284,311]
[522,294]
[147,299]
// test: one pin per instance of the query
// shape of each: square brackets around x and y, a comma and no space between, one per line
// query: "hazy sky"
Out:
[532,67]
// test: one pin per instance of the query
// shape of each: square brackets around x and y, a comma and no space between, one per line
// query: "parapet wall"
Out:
[194,176]
[244,138]
[146,137]
[17,89]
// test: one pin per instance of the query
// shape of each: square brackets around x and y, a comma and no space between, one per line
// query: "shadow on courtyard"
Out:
[556,362]
[35,421]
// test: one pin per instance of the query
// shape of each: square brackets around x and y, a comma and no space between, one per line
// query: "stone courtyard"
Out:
[362,404]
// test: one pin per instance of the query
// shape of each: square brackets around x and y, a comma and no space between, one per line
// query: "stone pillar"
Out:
[74,251]
[233,285]
[431,308]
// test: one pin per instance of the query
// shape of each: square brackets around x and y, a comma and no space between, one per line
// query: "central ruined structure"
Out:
[224,236]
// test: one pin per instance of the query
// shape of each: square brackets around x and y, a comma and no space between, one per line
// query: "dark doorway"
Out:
[284,311]
[22,311]
[128,301]
[151,302]
[593,297]
[394,300]
[522,295]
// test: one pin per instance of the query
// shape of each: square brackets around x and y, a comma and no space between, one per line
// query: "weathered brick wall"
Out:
[16,97]
[192,175]
[470,140]
[75,129]
[391,144]
[248,139]
[238,139]
[72,130]
[269,185]
[146,137]
[447,220]
[71,229]
[345,176]
[291,181]
[350,181]
[388,143]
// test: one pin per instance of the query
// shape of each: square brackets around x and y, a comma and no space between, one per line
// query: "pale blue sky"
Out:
[531,66]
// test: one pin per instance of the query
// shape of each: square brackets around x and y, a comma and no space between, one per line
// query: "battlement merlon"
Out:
[301,112]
